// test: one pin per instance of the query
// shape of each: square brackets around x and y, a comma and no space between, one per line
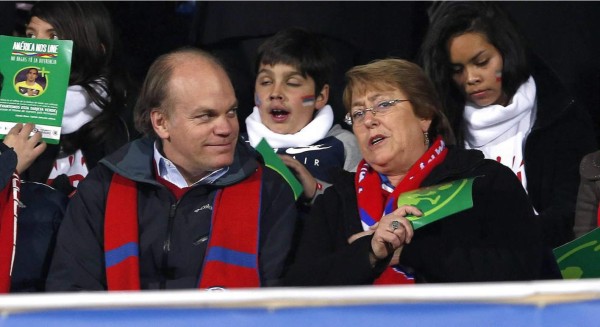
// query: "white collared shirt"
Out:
[169,172]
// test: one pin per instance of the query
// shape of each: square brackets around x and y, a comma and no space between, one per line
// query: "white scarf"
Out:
[79,108]
[500,132]
[316,130]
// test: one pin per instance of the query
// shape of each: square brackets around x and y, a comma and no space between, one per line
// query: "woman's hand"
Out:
[27,148]
[309,183]
[392,232]
[356,236]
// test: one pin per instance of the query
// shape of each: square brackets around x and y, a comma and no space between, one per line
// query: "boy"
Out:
[291,113]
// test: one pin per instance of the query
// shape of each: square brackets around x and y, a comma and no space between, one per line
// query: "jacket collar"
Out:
[553,100]
[458,161]
[135,160]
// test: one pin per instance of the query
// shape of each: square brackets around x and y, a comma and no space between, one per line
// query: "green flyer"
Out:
[438,201]
[35,77]
[580,258]
[273,161]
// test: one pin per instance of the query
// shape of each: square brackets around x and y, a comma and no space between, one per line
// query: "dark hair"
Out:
[301,49]
[89,26]
[390,74]
[155,89]
[451,19]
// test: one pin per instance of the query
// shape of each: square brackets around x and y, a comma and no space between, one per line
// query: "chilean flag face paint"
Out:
[308,100]
[499,76]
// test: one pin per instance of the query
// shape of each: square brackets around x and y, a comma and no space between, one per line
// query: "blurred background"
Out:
[566,35]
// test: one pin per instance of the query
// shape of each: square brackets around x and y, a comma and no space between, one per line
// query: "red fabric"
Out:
[393,277]
[374,204]
[8,232]
[235,228]
[177,191]
[120,228]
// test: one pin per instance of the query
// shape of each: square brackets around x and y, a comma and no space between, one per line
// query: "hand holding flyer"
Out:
[438,201]
[34,85]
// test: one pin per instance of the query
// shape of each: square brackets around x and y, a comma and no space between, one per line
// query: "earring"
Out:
[426,139]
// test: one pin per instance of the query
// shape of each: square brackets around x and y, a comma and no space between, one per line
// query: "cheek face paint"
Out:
[257,101]
[498,76]
[308,100]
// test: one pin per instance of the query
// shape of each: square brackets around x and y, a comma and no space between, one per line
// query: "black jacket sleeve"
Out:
[324,256]
[78,261]
[278,223]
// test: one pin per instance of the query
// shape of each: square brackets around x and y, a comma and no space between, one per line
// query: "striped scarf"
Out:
[376,199]
[232,255]
[8,230]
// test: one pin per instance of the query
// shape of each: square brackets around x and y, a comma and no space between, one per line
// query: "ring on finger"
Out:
[395,225]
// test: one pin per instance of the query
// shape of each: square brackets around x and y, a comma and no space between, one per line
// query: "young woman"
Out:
[507,104]
[92,124]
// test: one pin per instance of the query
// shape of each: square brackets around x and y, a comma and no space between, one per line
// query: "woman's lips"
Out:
[479,94]
[376,140]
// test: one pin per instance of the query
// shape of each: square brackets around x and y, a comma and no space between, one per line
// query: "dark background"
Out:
[566,35]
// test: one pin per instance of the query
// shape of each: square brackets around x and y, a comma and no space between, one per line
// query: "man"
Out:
[29,86]
[187,205]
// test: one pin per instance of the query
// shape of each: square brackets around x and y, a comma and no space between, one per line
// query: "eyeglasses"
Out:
[357,117]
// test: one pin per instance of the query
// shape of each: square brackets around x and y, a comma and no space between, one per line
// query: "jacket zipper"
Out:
[167,246]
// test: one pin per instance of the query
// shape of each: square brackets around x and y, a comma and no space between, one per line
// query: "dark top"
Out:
[496,240]
[78,262]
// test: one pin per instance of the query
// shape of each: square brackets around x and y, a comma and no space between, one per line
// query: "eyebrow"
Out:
[472,58]
[213,110]
[478,54]
[269,71]
[371,98]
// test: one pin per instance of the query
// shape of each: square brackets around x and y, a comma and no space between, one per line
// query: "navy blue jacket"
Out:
[172,233]
[37,225]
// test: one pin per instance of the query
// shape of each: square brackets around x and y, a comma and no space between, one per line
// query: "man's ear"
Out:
[322,97]
[160,123]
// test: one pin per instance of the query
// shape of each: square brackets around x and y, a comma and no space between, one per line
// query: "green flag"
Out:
[580,258]
[273,161]
[438,201]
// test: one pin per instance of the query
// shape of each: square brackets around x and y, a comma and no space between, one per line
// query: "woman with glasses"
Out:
[507,104]
[360,231]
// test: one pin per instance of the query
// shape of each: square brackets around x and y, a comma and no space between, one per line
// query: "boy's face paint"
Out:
[308,101]
[499,76]
[285,99]
[257,101]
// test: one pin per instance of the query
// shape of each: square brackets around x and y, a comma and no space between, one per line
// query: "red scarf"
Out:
[9,196]
[375,202]
[232,254]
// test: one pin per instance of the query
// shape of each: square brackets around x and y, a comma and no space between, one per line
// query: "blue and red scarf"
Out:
[232,255]
[9,197]
[377,199]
